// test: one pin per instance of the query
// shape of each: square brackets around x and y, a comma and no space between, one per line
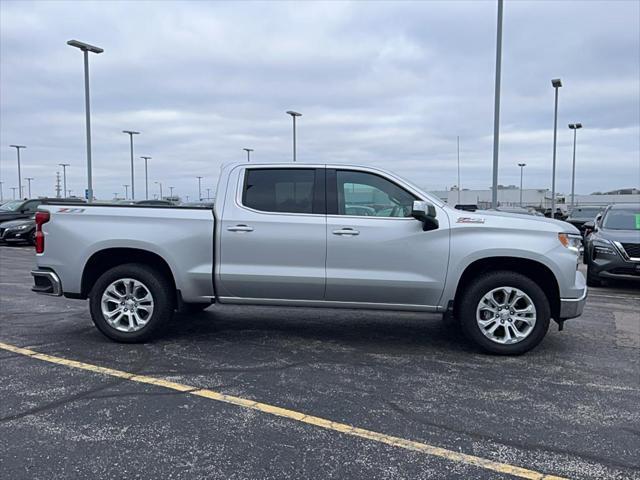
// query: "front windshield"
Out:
[589,213]
[11,206]
[623,219]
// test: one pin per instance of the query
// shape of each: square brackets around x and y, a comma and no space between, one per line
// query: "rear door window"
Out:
[283,190]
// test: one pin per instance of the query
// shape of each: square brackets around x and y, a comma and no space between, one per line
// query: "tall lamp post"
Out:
[521,165]
[556,83]
[294,115]
[86,48]
[64,178]
[458,169]
[574,127]
[28,179]
[14,192]
[18,147]
[248,150]
[199,188]
[146,178]
[160,185]
[131,133]
[208,195]
[171,191]
[126,192]
[496,109]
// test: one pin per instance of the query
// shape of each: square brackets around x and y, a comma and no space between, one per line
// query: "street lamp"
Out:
[496,109]
[86,48]
[131,133]
[521,165]
[458,169]
[294,115]
[14,192]
[160,184]
[208,197]
[64,177]
[248,150]
[556,83]
[18,147]
[574,127]
[146,178]
[126,192]
[199,188]
[28,179]
[69,191]
[171,191]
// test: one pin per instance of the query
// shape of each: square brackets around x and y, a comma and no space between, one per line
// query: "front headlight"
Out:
[20,227]
[602,246]
[572,241]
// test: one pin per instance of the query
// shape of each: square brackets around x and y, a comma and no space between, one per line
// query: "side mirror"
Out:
[588,227]
[426,213]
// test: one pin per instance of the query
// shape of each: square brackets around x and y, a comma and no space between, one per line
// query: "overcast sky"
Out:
[384,84]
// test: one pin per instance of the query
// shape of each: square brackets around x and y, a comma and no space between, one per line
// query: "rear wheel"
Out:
[131,303]
[505,313]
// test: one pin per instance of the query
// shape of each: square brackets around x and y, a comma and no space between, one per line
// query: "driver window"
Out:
[365,194]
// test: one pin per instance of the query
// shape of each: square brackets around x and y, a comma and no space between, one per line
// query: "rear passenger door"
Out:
[273,235]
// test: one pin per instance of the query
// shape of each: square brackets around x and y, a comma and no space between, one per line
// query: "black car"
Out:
[581,215]
[18,231]
[16,209]
[612,249]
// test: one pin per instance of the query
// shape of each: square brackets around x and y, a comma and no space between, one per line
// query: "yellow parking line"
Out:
[293,415]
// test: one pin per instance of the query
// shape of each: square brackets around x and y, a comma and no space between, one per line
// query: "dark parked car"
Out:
[612,250]
[581,215]
[16,209]
[18,231]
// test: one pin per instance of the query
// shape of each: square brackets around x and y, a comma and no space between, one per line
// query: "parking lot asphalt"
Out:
[569,408]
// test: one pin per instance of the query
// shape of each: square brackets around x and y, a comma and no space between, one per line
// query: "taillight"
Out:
[41,219]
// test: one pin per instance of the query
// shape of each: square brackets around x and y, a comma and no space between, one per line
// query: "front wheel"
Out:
[505,313]
[131,303]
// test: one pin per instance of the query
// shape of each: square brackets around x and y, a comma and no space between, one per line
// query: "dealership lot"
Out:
[569,408]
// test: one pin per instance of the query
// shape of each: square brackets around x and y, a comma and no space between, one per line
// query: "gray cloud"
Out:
[388,84]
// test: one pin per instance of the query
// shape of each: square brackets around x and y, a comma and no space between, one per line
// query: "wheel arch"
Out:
[105,259]
[536,271]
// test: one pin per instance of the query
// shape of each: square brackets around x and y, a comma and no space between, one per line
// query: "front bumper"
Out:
[572,307]
[46,282]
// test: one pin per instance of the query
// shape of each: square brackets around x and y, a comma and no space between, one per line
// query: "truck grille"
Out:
[632,249]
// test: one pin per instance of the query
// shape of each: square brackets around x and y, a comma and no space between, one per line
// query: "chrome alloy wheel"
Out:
[506,315]
[127,305]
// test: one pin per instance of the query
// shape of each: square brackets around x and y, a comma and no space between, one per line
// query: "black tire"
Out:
[161,290]
[32,238]
[593,280]
[484,284]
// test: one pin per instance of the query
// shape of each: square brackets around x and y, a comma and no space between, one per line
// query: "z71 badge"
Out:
[469,220]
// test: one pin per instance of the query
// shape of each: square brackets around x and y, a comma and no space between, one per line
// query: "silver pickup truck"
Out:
[309,235]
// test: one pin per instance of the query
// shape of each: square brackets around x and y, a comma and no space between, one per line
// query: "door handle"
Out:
[346,231]
[240,228]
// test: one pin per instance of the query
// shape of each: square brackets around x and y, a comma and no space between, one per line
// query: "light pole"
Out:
[556,83]
[294,115]
[160,185]
[14,192]
[248,150]
[146,178]
[18,147]
[131,133]
[521,165]
[126,192]
[69,191]
[171,191]
[64,177]
[496,109]
[208,197]
[199,188]
[458,169]
[574,127]
[28,179]
[86,48]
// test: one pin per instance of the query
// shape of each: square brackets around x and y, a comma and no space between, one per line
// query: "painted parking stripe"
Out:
[293,415]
